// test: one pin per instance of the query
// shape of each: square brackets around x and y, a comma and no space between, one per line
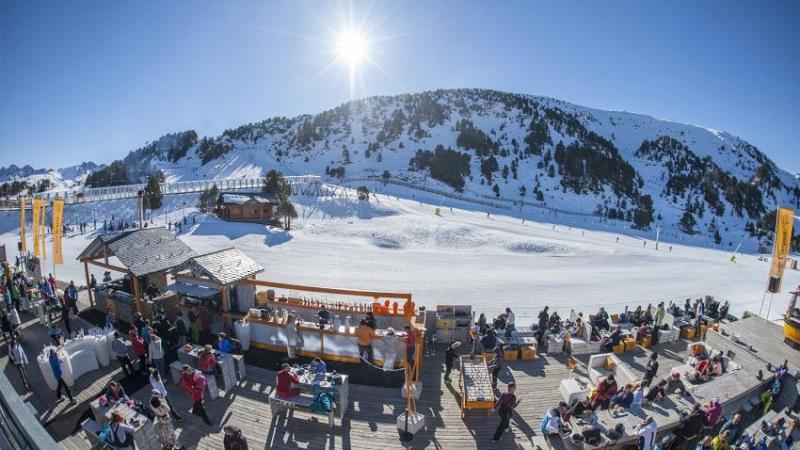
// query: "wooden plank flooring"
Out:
[371,418]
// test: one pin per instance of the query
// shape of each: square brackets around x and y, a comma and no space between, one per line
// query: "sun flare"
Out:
[352,47]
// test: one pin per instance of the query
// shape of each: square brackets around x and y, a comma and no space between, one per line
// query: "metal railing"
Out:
[301,185]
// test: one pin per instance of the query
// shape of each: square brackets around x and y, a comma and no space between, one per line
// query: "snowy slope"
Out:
[463,257]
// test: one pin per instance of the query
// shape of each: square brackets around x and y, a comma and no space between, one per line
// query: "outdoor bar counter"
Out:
[331,343]
[264,325]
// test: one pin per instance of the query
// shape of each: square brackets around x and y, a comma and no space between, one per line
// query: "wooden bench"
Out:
[279,404]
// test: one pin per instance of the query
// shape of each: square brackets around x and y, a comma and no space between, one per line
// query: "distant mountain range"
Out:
[485,143]
[73,173]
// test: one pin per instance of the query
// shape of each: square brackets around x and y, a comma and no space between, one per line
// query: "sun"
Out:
[354,42]
[352,47]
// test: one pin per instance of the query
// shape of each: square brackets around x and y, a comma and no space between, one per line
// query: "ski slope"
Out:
[396,243]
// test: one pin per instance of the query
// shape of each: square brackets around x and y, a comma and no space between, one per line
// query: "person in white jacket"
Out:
[158,386]
[155,352]
[389,349]
[17,355]
[646,430]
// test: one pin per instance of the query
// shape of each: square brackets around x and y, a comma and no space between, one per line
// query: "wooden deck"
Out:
[371,419]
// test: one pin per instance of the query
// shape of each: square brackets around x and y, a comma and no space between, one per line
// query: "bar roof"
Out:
[142,252]
[223,266]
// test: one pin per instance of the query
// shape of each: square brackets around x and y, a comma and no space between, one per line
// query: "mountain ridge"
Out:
[616,164]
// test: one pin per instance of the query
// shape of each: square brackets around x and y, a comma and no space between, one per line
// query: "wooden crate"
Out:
[527,353]
[688,333]
[647,341]
[619,348]
[511,355]
[629,343]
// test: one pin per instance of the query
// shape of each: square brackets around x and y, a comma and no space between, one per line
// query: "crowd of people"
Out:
[153,342]
[703,424]
[149,341]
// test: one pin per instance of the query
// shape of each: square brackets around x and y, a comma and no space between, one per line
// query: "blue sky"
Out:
[84,80]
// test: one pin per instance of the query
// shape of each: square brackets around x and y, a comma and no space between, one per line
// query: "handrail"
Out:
[328,290]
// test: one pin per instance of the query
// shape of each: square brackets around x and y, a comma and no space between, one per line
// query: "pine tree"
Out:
[688,222]
[643,214]
[496,190]
[385,175]
[209,198]
[276,185]
[287,212]
[152,191]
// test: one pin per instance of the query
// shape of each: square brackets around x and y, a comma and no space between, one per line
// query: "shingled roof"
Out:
[224,266]
[241,198]
[142,252]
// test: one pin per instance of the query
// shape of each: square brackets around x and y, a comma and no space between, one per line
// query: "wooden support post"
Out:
[137,294]
[223,291]
[88,285]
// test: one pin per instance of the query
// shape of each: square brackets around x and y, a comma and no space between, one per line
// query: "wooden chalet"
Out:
[246,206]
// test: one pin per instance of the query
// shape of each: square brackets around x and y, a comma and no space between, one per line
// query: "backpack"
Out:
[105,434]
[323,402]
[545,423]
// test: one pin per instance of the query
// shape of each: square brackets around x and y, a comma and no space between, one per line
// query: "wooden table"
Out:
[476,384]
[341,392]
[144,435]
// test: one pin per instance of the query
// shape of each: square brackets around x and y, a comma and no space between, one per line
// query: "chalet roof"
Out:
[223,266]
[241,198]
[142,252]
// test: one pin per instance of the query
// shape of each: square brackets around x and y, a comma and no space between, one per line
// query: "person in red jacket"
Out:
[194,383]
[138,348]
[208,362]
[286,379]
[605,390]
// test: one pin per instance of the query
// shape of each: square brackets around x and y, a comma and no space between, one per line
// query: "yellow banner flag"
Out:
[58,226]
[23,246]
[35,211]
[43,220]
[783,240]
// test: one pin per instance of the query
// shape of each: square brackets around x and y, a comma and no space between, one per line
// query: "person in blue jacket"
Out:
[224,343]
[58,374]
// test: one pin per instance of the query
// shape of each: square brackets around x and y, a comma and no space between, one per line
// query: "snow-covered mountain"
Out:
[15,172]
[484,143]
[26,179]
